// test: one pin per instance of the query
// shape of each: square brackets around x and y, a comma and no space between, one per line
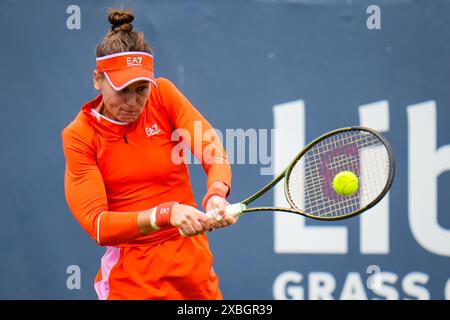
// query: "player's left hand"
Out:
[219,219]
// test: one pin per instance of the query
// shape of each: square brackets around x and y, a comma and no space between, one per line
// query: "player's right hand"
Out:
[216,207]
[189,220]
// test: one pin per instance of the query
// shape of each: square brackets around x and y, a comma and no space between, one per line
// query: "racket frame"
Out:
[241,208]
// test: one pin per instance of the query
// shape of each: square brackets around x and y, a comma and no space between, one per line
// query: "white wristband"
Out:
[153,219]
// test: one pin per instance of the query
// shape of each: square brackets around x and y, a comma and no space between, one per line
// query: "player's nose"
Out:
[132,100]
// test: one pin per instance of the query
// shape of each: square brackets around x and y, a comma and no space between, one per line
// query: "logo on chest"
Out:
[152,130]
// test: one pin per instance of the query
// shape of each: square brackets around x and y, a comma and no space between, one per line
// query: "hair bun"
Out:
[121,20]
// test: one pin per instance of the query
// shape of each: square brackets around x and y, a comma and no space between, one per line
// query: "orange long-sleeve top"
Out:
[115,170]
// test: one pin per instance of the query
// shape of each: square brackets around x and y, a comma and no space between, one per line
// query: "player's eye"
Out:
[142,89]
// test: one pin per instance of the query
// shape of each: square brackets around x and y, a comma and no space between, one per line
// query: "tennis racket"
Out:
[308,179]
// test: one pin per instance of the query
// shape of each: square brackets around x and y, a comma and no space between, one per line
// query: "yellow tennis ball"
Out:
[345,183]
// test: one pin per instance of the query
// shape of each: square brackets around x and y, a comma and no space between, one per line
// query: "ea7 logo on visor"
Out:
[134,61]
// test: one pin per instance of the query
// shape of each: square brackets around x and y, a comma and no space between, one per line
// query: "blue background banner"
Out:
[279,72]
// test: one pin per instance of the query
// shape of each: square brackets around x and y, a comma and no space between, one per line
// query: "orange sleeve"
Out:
[86,196]
[197,133]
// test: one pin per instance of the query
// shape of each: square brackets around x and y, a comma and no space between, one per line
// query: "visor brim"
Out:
[119,79]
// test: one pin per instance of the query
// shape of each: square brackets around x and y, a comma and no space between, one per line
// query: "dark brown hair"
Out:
[121,37]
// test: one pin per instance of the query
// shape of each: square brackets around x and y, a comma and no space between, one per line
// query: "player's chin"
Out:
[128,117]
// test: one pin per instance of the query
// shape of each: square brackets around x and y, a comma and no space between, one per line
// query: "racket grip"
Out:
[234,210]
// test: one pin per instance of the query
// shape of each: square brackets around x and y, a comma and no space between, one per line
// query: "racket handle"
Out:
[234,210]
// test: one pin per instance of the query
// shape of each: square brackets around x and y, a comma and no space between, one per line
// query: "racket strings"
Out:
[309,184]
[344,206]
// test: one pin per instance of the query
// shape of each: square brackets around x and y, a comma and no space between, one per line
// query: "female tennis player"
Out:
[124,187]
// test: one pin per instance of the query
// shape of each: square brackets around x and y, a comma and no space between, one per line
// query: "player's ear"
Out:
[97,80]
